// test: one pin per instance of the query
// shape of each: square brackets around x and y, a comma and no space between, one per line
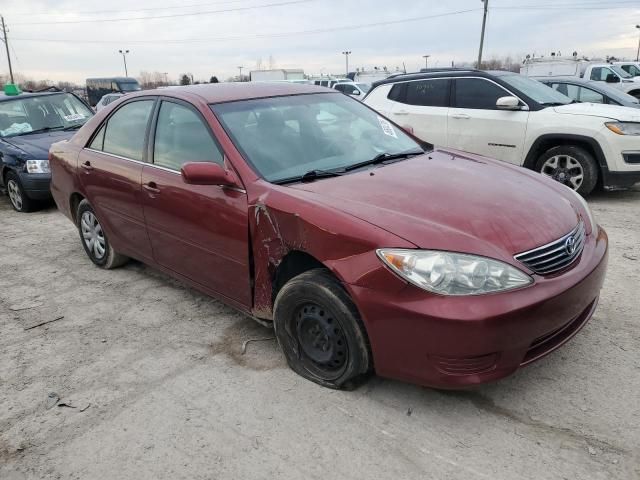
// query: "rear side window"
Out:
[428,93]
[476,93]
[126,128]
[182,137]
[397,92]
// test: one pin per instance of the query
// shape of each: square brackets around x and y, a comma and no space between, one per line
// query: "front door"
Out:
[198,231]
[477,126]
[111,171]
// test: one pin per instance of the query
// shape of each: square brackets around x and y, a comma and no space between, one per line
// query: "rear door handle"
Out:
[461,116]
[151,187]
[87,166]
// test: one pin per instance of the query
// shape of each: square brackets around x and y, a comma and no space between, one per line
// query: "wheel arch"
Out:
[293,264]
[545,142]
[74,202]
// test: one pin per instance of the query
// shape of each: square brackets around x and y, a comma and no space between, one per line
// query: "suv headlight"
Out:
[624,128]
[38,166]
[448,273]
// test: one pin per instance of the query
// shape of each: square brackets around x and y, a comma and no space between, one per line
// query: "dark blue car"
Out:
[29,124]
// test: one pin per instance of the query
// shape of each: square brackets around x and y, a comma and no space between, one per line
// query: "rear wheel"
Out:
[320,331]
[18,198]
[570,165]
[94,239]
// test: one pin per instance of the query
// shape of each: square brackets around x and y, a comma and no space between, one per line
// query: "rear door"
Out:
[477,126]
[111,169]
[424,106]
[198,231]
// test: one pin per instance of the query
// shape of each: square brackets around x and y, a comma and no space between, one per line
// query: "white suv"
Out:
[519,120]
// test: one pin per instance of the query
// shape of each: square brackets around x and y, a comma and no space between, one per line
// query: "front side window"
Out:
[590,96]
[601,73]
[286,137]
[631,70]
[126,129]
[476,93]
[182,137]
[31,114]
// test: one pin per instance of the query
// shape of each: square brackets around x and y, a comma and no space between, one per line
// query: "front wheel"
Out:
[320,331]
[570,165]
[17,196]
[94,239]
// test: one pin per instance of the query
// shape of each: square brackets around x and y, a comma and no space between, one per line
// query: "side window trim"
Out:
[151,136]
[106,121]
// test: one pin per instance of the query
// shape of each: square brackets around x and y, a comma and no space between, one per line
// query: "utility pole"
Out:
[346,56]
[240,76]
[637,54]
[166,78]
[426,60]
[6,45]
[484,23]
[124,58]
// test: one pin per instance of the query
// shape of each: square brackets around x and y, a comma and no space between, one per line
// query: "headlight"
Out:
[38,166]
[449,273]
[590,218]
[624,128]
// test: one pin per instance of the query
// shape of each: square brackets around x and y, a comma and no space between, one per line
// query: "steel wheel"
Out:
[323,347]
[92,234]
[564,169]
[15,194]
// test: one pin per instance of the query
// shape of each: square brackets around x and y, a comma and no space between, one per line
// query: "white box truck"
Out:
[276,75]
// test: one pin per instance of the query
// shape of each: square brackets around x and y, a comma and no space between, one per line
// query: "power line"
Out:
[173,15]
[263,35]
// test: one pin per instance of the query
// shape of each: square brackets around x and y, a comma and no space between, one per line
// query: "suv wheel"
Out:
[19,200]
[571,166]
[94,239]
[320,331]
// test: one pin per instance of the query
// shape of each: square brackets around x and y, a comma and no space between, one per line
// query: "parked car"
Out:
[587,91]
[29,124]
[518,120]
[632,68]
[356,90]
[99,87]
[107,99]
[300,206]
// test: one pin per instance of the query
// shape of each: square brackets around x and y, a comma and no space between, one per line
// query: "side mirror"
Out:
[207,173]
[508,103]
[355,92]
[611,78]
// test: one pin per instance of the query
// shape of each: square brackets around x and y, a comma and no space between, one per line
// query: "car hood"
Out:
[447,200]
[37,145]
[613,112]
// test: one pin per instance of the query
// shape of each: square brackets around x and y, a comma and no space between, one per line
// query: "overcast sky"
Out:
[200,37]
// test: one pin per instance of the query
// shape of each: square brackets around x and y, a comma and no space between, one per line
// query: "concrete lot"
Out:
[162,390]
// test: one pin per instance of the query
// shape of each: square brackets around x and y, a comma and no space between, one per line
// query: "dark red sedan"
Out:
[368,249]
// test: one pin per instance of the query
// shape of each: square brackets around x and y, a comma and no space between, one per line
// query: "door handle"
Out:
[401,112]
[87,166]
[461,116]
[151,187]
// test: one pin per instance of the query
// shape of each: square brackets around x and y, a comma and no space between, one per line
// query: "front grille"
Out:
[555,255]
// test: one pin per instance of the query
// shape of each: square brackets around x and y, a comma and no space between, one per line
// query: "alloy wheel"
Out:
[15,195]
[564,169]
[93,235]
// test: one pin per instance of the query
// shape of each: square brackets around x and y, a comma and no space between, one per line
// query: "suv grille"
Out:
[555,255]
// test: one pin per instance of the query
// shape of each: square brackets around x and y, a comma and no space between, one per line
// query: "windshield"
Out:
[620,71]
[285,137]
[536,90]
[129,86]
[365,87]
[27,113]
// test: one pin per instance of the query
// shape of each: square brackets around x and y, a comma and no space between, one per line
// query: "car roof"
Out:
[234,91]
[4,97]
[427,73]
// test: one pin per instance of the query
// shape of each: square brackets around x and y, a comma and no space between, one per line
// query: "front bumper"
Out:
[454,342]
[36,185]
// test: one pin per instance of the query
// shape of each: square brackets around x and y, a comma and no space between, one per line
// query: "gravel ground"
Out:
[161,389]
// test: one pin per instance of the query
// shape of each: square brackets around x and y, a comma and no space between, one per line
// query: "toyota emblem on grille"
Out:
[570,245]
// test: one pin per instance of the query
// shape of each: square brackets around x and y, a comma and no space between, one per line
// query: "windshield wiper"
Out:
[384,157]
[554,104]
[72,127]
[44,129]
[312,175]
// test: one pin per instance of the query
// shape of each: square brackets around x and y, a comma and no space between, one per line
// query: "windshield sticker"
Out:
[74,117]
[16,129]
[387,128]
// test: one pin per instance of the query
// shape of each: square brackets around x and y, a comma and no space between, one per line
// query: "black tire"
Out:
[105,256]
[567,155]
[320,331]
[17,196]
